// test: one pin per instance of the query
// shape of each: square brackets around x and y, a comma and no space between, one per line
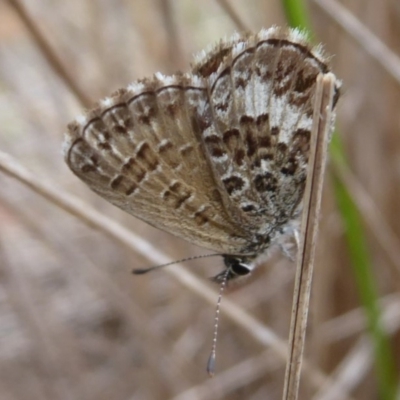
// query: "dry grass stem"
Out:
[322,125]
[233,15]
[175,58]
[48,52]
[371,44]
[379,227]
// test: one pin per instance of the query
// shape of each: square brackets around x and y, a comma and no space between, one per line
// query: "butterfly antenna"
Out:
[141,271]
[211,359]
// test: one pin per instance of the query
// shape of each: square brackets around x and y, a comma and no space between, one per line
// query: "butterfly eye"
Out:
[241,269]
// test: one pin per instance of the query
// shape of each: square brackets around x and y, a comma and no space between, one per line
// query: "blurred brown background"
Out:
[74,322]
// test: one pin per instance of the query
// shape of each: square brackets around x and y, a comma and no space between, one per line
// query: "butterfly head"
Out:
[236,267]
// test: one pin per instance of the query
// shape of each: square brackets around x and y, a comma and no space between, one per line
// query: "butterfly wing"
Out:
[262,91]
[217,157]
[138,149]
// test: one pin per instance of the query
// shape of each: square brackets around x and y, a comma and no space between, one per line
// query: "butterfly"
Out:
[217,156]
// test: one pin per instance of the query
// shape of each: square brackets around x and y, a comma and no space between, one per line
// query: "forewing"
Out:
[261,95]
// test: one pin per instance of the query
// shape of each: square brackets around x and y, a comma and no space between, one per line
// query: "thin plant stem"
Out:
[322,125]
